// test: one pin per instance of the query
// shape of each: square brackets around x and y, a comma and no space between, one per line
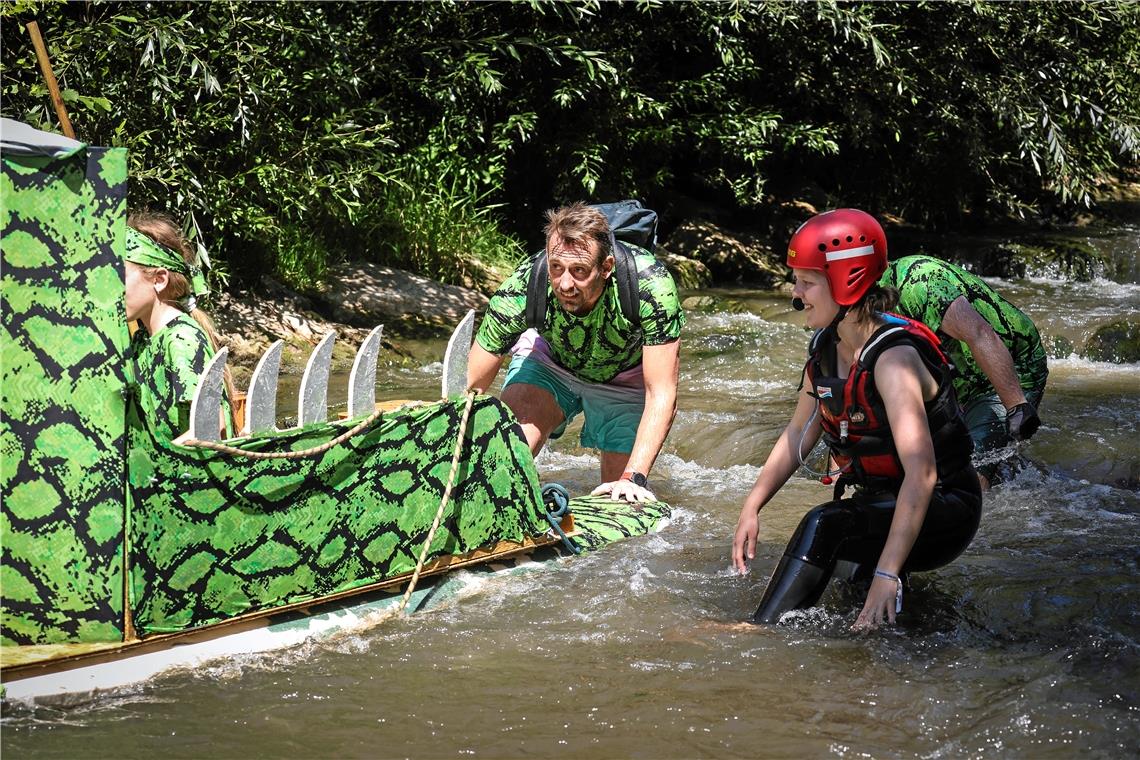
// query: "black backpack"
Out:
[629,222]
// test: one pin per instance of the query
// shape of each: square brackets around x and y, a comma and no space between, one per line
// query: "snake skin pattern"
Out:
[213,535]
[63,422]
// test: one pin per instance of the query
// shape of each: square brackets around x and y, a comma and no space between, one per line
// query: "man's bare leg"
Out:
[536,410]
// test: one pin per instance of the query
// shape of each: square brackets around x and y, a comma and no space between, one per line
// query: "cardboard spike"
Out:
[362,380]
[261,401]
[455,358]
[205,408]
[312,404]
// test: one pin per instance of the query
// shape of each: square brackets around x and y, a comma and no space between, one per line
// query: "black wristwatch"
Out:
[636,478]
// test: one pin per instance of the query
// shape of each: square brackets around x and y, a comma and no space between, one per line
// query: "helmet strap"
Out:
[838,318]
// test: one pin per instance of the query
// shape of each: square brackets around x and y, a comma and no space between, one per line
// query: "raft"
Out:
[122,555]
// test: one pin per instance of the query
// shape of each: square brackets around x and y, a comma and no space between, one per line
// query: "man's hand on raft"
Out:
[624,490]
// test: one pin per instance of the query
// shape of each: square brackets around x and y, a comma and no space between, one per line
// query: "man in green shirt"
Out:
[1000,364]
[585,355]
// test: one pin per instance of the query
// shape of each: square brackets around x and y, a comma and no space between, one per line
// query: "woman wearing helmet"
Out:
[877,387]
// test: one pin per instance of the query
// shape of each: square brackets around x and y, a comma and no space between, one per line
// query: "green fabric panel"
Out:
[601,520]
[214,535]
[62,417]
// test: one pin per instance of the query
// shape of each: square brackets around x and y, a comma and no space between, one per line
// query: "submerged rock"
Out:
[1056,258]
[1117,342]
[1058,346]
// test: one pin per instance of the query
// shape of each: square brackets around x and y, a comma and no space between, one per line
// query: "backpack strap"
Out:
[625,270]
[537,288]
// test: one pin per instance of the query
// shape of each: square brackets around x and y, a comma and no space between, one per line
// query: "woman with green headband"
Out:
[175,339]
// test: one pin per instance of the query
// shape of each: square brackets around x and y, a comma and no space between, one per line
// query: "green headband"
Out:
[143,251]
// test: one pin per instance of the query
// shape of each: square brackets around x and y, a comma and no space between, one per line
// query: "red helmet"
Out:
[847,245]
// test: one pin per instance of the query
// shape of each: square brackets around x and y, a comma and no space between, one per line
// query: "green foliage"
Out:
[429,134]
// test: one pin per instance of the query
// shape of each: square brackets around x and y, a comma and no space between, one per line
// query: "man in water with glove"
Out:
[996,351]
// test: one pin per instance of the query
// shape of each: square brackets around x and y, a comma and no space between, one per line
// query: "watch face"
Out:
[639,479]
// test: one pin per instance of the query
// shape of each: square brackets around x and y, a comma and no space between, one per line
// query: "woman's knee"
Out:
[821,532]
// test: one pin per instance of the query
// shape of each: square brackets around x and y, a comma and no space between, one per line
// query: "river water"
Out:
[1026,646]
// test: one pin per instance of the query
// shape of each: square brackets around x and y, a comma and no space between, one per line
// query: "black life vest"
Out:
[855,419]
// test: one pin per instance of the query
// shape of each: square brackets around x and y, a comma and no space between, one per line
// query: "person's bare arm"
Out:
[660,366]
[900,377]
[482,366]
[782,461]
[963,322]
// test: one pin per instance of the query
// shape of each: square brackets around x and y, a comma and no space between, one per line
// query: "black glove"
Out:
[1022,421]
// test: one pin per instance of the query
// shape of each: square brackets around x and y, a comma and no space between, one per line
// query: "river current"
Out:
[1028,645]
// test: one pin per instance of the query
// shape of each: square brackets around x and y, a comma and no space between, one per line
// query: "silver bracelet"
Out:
[898,587]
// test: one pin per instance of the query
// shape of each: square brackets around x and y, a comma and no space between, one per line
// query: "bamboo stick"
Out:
[49,77]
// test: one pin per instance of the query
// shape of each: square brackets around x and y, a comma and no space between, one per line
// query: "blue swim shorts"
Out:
[612,410]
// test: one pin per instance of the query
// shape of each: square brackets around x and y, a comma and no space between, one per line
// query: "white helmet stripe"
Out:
[850,253]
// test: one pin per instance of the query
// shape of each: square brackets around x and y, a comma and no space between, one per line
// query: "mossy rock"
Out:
[1056,258]
[707,304]
[729,256]
[714,305]
[1117,342]
[688,273]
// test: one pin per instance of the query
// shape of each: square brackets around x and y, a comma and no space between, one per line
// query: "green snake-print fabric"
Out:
[63,421]
[215,535]
[166,367]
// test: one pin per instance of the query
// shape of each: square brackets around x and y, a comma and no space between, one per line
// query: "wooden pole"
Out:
[49,77]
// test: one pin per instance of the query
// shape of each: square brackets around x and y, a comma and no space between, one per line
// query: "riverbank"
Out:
[700,253]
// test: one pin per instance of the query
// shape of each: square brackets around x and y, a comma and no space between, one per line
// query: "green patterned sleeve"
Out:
[505,318]
[187,356]
[661,314]
[925,292]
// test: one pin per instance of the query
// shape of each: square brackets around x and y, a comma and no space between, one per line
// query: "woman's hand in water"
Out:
[879,607]
[744,542]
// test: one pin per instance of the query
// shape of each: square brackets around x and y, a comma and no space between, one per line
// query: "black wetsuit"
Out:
[855,425]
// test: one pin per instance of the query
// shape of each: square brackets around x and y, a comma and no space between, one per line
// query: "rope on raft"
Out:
[556,504]
[442,504]
[215,446]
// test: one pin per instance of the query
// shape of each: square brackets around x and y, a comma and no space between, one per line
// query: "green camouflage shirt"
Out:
[927,286]
[166,367]
[599,345]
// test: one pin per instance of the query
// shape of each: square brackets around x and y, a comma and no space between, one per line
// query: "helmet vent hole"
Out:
[849,238]
[835,241]
[862,238]
[822,247]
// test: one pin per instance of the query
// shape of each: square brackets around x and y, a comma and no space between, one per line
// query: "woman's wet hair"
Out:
[875,300]
[577,224]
